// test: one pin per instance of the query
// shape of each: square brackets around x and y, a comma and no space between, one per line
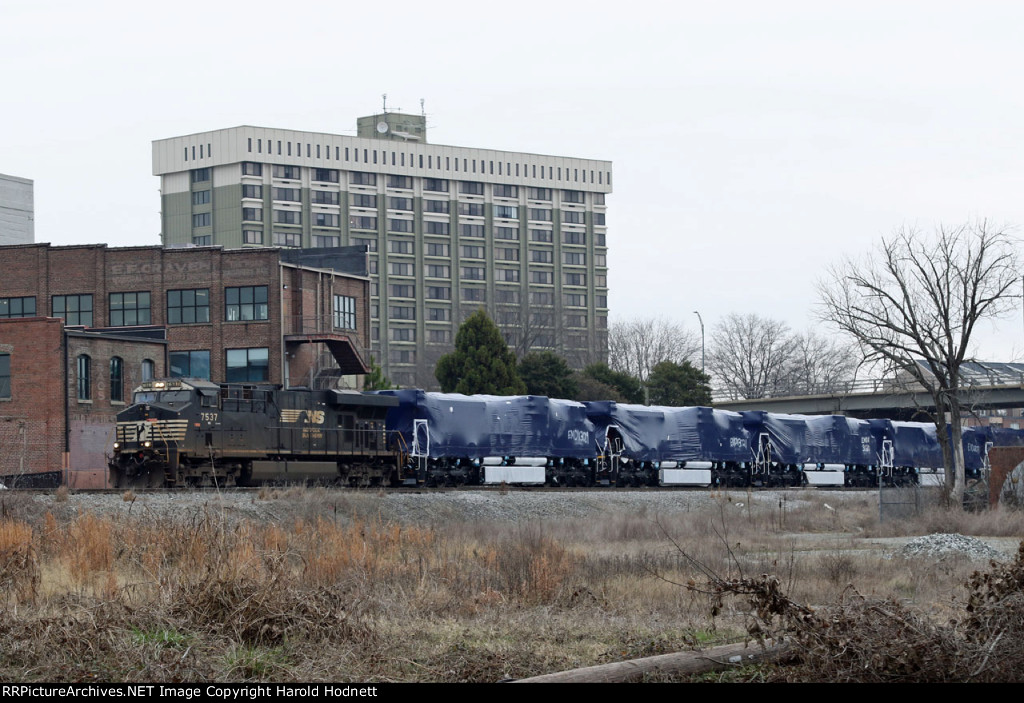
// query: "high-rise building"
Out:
[448,229]
[17,216]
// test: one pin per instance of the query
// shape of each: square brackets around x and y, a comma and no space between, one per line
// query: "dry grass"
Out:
[343,594]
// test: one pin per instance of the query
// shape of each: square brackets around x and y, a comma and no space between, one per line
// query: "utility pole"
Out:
[701,320]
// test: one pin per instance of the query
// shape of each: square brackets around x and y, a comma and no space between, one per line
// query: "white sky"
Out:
[752,143]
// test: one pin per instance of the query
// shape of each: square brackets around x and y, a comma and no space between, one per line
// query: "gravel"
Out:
[944,546]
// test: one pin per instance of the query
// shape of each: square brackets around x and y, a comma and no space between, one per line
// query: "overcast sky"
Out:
[752,143]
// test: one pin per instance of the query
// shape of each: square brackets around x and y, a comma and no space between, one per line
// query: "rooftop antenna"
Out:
[385,96]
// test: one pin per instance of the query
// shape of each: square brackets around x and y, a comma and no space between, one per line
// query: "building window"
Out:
[404,204]
[5,375]
[370,244]
[288,217]
[574,237]
[357,222]
[437,227]
[539,214]
[250,191]
[504,191]
[435,185]
[127,309]
[325,219]
[439,314]
[541,256]
[287,239]
[599,218]
[575,320]
[358,178]
[252,236]
[572,196]
[396,268]
[436,206]
[399,225]
[510,212]
[574,279]
[364,200]
[439,293]
[438,271]
[471,252]
[538,193]
[327,175]
[506,254]
[474,295]
[202,197]
[545,277]
[186,307]
[326,197]
[402,291]
[574,258]
[201,219]
[402,312]
[250,168]
[471,188]
[506,296]
[17,307]
[404,182]
[326,241]
[252,214]
[203,241]
[402,356]
[84,382]
[542,298]
[245,304]
[439,336]
[247,365]
[116,379]
[403,334]
[288,195]
[148,370]
[541,235]
[471,209]
[507,233]
[190,364]
[199,175]
[437,249]
[471,230]
[574,217]
[75,309]
[288,172]
[576,300]
[345,312]
[508,275]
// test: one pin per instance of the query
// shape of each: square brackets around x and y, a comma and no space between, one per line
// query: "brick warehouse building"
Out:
[231,315]
[60,391]
[287,317]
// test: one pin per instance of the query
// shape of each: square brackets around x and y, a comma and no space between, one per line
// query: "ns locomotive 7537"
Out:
[189,432]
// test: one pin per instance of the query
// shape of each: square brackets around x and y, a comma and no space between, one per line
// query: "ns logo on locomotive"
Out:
[190,432]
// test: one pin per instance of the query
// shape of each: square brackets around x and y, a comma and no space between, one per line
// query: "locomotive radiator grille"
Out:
[143,431]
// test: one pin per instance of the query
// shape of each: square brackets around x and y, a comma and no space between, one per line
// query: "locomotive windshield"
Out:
[162,397]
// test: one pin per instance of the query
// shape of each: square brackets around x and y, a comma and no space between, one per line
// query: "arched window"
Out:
[84,380]
[148,370]
[117,379]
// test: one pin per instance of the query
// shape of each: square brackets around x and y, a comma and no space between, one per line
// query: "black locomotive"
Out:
[189,432]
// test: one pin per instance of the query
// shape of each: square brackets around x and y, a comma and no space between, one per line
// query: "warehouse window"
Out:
[245,304]
[148,370]
[247,365]
[5,375]
[116,379]
[344,312]
[128,309]
[186,307]
[75,309]
[84,382]
[190,364]
[18,307]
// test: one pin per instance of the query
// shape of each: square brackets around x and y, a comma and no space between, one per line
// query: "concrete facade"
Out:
[448,229]
[17,210]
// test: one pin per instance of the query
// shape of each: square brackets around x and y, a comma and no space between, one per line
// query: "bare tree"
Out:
[750,356]
[636,346]
[913,305]
[820,364]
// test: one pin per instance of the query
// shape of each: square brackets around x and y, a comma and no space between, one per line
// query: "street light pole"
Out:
[701,320]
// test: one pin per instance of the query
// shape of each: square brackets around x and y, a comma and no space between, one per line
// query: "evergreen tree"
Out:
[481,362]
[629,387]
[678,385]
[546,373]
[376,380]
